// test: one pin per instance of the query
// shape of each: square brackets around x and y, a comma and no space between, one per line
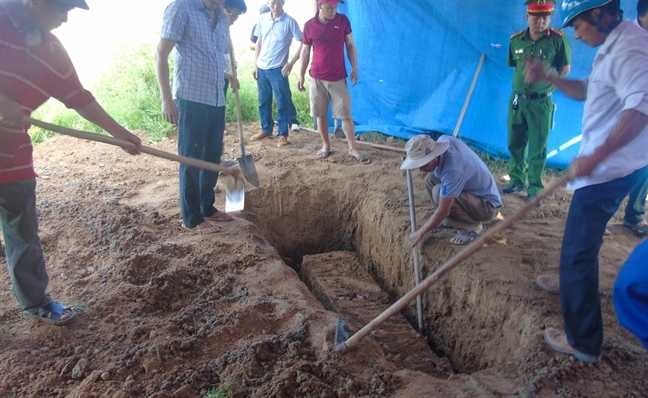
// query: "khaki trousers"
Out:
[468,211]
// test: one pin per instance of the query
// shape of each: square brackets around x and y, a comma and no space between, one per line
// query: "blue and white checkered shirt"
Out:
[198,53]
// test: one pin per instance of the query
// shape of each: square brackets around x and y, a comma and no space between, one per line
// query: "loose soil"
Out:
[165,312]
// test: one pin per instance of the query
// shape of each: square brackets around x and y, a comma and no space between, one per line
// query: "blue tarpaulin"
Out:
[417,59]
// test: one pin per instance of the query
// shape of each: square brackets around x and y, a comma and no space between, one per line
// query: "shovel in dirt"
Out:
[235,195]
[245,161]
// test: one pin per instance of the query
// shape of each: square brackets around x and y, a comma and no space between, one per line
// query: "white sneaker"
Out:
[294,127]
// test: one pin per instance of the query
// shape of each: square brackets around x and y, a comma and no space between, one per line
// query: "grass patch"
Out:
[78,305]
[223,391]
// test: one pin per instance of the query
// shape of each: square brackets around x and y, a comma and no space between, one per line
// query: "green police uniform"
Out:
[530,106]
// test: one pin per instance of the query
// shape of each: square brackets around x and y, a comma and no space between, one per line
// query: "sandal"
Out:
[444,225]
[323,153]
[52,313]
[206,228]
[639,228]
[364,158]
[463,239]
[220,216]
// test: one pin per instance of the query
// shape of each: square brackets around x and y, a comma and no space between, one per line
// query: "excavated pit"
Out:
[467,319]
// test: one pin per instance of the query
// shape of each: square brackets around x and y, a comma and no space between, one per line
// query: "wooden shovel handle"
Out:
[125,144]
[453,262]
[378,146]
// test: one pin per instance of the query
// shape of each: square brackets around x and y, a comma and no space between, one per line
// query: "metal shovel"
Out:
[245,161]
[235,195]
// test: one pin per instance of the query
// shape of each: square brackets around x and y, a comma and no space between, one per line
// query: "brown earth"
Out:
[166,312]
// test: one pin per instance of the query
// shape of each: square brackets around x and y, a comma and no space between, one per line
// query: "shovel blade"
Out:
[235,195]
[249,170]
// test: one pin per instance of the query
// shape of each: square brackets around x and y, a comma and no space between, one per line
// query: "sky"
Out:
[93,37]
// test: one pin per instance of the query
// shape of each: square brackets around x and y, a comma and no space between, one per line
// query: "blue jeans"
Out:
[268,82]
[590,210]
[631,293]
[200,136]
[23,248]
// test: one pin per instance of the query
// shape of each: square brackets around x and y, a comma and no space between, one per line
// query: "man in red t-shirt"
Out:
[327,34]
[34,66]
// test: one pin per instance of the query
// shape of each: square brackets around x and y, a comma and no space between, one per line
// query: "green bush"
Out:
[129,92]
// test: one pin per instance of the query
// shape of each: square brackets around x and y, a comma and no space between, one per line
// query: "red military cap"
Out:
[540,6]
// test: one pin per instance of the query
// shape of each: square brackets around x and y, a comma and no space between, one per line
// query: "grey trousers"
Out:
[24,253]
[468,211]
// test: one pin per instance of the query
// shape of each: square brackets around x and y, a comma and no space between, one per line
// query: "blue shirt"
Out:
[276,36]
[461,170]
[198,53]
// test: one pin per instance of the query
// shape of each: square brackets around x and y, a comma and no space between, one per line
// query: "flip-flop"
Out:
[640,228]
[444,225]
[364,158]
[323,153]
[220,216]
[207,230]
[464,239]
[52,313]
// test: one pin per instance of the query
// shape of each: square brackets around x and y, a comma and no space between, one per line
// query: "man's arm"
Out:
[535,71]
[631,124]
[93,112]
[257,51]
[440,214]
[285,71]
[353,58]
[169,109]
[304,59]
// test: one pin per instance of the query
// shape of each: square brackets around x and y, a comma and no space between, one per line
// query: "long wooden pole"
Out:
[450,264]
[470,91]
[378,146]
[125,144]
[415,250]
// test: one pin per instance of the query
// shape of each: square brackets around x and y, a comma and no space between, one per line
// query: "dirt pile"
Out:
[166,312]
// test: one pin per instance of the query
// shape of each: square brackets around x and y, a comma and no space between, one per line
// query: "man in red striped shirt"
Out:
[34,66]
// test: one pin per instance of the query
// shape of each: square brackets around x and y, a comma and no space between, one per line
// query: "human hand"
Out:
[416,237]
[354,77]
[285,71]
[300,83]
[255,73]
[170,111]
[234,83]
[534,71]
[126,135]
[583,166]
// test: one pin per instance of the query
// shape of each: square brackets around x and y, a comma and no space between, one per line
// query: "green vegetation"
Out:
[223,391]
[78,305]
[129,92]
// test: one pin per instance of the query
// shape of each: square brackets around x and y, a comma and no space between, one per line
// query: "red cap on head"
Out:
[540,6]
[329,2]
